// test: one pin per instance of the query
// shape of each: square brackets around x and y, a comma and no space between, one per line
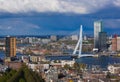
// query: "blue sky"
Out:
[42,17]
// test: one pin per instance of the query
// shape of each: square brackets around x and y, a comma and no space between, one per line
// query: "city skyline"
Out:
[28,17]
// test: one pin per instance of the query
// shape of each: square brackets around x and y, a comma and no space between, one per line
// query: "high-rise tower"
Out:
[10,46]
[102,41]
[97,30]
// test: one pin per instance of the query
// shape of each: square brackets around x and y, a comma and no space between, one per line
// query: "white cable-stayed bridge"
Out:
[79,47]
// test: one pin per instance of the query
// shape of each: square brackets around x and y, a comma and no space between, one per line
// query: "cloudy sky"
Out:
[41,17]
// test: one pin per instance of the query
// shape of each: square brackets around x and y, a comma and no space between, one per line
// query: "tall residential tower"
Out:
[97,30]
[10,46]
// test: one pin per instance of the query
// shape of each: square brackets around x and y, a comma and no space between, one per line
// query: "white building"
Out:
[37,58]
[70,63]
[38,67]
[33,66]
[74,37]
[85,37]
[114,68]
[45,41]
[62,63]
[53,38]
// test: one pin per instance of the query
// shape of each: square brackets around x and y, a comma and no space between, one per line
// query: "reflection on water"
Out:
[103,61]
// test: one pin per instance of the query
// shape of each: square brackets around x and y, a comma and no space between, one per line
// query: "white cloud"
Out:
[61,6]
[117,3]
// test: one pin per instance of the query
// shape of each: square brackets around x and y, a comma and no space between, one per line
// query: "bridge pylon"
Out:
[79,44]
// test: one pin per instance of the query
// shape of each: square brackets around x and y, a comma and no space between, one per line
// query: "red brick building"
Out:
[116,43]
[14,65]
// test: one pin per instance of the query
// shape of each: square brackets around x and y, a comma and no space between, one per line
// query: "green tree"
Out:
[82,66]
[79,66]
[22,75]
[16,77]
[28,76]
[108,75]
[66,66]
[21,80]
[2,79]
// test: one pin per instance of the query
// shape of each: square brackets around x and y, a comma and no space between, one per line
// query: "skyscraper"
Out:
[102,41]
[97,30]
[10,47]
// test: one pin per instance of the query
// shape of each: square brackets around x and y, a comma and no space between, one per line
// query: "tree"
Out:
[28,76]
[108,75]
[66,66]
[16,77]
[60,75]
[79,66]
[21,80]
[82,66]
[22,75]
[2,79]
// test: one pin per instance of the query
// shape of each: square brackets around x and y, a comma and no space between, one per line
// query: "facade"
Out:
[74,37]
[102,41]
[97,29]
[10,47]
[85,37]
[114,69]
[45,41]
[16,65]
[116,44]
[62,63]
[70,63]
[37,58]
[53,38]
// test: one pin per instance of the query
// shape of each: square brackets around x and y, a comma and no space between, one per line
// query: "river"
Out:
[102,61]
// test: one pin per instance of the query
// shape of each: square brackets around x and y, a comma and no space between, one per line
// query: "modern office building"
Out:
[97,30]
[102,41]
[10,46]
